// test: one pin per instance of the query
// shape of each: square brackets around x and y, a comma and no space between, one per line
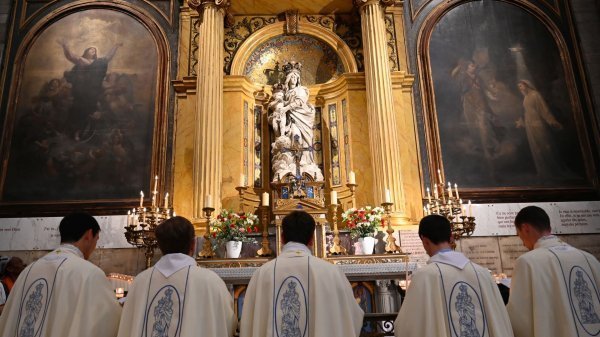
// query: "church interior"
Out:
[139,110]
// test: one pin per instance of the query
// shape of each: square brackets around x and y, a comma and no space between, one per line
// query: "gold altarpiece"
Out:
[240,99]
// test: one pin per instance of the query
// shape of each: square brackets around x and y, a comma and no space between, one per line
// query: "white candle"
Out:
[334,200]
[440,176]
[470,209]
[449,190]
[428,195]
[351,178]
[425,210]
[129,218]
[242,180]
[141,198]
[167,200]
[265,199]
[208,201]
[435,192]
[388,196]
[155,183]
[456,190]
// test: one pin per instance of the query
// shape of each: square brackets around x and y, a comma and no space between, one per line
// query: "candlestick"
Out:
[166,200]
[265,199]
[141,198]
[428,196]
[449,190]
[336,248]
[334,199]
[155,183]
[440,181]
[456,189]
[351,178]
[470,209]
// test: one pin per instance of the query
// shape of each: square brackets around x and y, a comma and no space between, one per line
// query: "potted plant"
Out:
[232,229]
[363,224]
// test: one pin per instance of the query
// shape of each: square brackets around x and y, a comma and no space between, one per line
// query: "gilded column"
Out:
[383,137]
[208,139]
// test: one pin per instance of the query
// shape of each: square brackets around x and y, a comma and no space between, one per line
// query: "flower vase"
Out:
[233,249]
[367,244]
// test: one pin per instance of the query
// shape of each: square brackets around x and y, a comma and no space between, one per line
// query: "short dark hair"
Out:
[534,216]
[73,226]
[175,235]
[436,228]
[298,226]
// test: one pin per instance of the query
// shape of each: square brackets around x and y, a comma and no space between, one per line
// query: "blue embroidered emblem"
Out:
[290,305]
[163,313]
[33,307]
[466,313]
[585,300]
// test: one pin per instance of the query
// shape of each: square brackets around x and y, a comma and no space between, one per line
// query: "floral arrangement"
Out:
[232,226]
[363,222]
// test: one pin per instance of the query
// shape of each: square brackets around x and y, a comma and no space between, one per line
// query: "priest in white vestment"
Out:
[176,297]
[451,296]
[62,294]
[298,294]
[555,288]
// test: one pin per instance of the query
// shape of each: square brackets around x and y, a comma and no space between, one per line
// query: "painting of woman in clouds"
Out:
[84,117]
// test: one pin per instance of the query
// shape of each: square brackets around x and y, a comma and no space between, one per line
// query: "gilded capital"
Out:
[199,5]
[384,3]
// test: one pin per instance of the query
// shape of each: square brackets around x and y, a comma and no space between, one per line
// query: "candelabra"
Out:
[265,250]
[241,190]
[352,187]
[207,249]
[390,245]
[336,248]
[449,205]
[141,223]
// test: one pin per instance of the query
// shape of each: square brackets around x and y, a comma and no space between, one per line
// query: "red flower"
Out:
[255,229]
[232,226]
[214,234]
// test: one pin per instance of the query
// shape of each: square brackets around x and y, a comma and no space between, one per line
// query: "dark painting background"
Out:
[502,44]
[85,133]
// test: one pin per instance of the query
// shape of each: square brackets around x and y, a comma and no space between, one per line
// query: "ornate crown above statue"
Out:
[292,118]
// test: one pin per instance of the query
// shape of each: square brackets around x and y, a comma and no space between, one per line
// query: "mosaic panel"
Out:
[347,27]
[320,63]
[390,33]
[239,31]
[246,137]
[257,146]
[193,56]
[346,137]
[335,153]
[318,138]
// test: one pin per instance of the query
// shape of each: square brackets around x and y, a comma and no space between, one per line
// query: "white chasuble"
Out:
[452,297]
[61,295]
[555,291]
[176,298]
[298,295]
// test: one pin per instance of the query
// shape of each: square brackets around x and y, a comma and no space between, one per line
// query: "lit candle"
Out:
[470,209]
[174,215]
[129,218]
[435,192]
[153,199]
[242,180]
[167,200]
[334,200]
[208,201]
[428,195]
[440,176]
[265,199]
[462,207]
[449,190]
[351,178]
[425,210]
[155,183]
[456,190]
[388,196]
[141,198]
